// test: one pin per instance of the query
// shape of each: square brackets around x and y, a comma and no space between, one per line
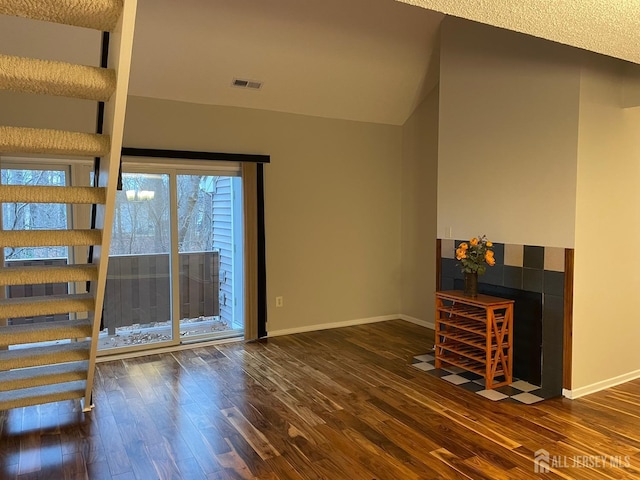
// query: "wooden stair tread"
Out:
[36,275]
[34,75]
[107,85]
[53,142]
[42,394]
[49,238]
[45,331]
[43,375]
[97,14]
[45,355]
[47,194]
[47,305]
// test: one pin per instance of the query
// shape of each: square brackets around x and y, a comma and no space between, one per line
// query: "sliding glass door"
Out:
[175,264]
[137,309]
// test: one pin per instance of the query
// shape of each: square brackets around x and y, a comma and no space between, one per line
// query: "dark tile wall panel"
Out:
[554,283]
[552,341]
[534,257]
[512,277]
[498,253]
[493,276]
[531,278]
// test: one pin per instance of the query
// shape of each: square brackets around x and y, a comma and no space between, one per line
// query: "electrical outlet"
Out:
[279,302]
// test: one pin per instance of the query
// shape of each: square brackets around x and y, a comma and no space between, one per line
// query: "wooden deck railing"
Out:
[138,289]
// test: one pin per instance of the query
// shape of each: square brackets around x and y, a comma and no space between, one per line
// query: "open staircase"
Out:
[54,361]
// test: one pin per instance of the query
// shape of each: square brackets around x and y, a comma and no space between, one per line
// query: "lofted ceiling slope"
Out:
[360,60]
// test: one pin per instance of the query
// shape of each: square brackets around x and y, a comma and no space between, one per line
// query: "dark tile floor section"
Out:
[518,391]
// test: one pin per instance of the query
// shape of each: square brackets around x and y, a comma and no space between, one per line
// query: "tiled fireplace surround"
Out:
[536,275]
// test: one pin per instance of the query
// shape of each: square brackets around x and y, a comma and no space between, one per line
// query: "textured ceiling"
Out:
[610,27]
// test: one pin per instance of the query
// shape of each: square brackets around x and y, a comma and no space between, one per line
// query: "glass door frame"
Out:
[143,165]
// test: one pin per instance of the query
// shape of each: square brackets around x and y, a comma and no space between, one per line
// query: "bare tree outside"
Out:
[141,218]
[195,212]
[34,216]
[141,222]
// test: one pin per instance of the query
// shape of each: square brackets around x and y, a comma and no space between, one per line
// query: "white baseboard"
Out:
[417,321]
[596,387]
[325,326]
[350,323]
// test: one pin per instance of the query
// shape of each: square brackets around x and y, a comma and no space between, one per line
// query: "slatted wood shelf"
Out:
[467,351]
[475,334]
[471,339]
[468,364]
[473,313]
[467,325]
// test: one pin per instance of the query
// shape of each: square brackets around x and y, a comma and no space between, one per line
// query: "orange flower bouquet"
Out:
[473,257]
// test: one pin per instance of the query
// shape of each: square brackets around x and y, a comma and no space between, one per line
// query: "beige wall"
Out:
[508,136]
[419,195]
[332,202]
[40,111]
[50,41]
[607,269]
[631,85]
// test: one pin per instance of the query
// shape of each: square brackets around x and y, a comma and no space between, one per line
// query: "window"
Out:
[34,216]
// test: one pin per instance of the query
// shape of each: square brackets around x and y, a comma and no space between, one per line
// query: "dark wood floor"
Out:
[330,405]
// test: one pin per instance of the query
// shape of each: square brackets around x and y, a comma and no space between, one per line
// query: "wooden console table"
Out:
[475,334]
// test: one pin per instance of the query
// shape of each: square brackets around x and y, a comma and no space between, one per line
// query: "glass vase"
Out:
[471,284]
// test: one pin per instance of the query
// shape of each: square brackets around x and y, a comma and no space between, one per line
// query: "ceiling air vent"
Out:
[237,82]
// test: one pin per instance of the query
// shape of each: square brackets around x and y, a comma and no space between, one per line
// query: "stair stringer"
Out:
[120,52]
